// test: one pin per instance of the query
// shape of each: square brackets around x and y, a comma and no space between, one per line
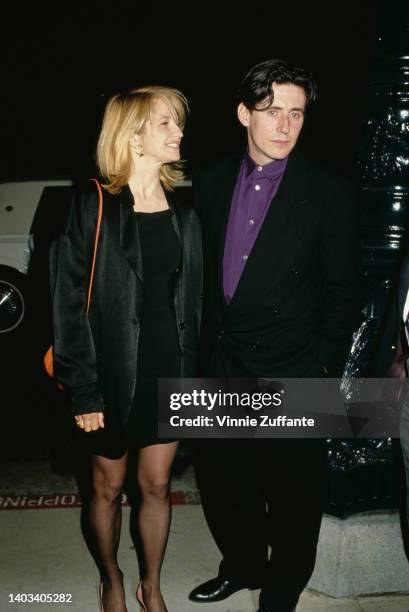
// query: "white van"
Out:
[18,203]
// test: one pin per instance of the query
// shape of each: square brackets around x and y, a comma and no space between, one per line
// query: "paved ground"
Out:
[42,551]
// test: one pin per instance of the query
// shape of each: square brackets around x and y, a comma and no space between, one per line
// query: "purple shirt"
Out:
[256,186]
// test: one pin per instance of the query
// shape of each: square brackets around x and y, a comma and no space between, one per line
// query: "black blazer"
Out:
[390,338]
[300,295]
[96,355]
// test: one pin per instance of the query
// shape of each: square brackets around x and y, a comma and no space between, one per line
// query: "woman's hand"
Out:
[90,422]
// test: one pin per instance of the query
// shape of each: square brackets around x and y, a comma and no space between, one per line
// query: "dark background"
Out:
[59,67]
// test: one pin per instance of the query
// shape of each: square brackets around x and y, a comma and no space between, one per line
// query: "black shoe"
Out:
[215,589]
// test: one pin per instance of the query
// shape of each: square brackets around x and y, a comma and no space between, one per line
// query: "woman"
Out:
[142,324]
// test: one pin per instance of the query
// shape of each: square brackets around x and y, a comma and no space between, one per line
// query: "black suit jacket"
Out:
[391,342]
[300,295]
[96,356]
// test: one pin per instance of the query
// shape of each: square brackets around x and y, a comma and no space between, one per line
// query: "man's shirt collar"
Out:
[272,171]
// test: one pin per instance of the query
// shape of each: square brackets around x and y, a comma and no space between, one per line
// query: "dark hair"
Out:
[256,85]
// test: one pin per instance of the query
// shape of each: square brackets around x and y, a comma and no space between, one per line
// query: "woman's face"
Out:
[161,136]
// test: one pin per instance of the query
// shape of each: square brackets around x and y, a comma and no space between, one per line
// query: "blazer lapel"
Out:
[289,194]
[176,220]
[279,215]
[129,234]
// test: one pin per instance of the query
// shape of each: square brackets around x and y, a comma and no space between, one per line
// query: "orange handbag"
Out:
[48,359]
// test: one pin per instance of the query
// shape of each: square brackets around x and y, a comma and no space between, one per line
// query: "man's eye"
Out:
[296,115]
[165,123]
[273,113]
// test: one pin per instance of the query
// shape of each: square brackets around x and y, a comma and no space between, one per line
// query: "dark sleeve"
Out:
[343,285]
[197,199]
[74,350]
[388,338]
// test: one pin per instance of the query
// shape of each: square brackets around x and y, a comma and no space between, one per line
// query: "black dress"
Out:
[159,351]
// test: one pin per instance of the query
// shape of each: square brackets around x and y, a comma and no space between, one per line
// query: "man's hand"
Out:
[90,422]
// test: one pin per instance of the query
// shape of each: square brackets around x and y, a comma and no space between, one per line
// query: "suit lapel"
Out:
[278,217]
[129,234]
[288,194]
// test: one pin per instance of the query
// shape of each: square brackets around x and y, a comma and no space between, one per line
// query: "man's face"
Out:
[273,132]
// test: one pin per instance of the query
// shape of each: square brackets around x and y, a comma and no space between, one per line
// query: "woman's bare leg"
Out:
[154,467]
[105,523]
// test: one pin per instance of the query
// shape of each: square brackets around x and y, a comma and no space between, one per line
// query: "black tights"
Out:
[153,475]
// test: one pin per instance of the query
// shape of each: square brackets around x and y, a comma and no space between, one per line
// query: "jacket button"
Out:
[182,325]
[220,334]
[177,270]
[276,313]
[294,271]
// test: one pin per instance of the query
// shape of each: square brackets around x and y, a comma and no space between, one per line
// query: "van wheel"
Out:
[13,290]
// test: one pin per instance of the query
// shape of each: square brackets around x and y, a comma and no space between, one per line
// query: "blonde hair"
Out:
[126,115]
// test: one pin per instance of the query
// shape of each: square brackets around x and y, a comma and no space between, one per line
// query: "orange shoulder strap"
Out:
[94,256]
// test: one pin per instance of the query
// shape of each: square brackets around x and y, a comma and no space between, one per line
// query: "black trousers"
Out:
[261,493]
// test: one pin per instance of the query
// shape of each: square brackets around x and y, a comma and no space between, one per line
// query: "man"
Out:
[391,355]
[282,298]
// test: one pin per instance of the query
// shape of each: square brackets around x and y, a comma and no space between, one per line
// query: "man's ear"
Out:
[243,114]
